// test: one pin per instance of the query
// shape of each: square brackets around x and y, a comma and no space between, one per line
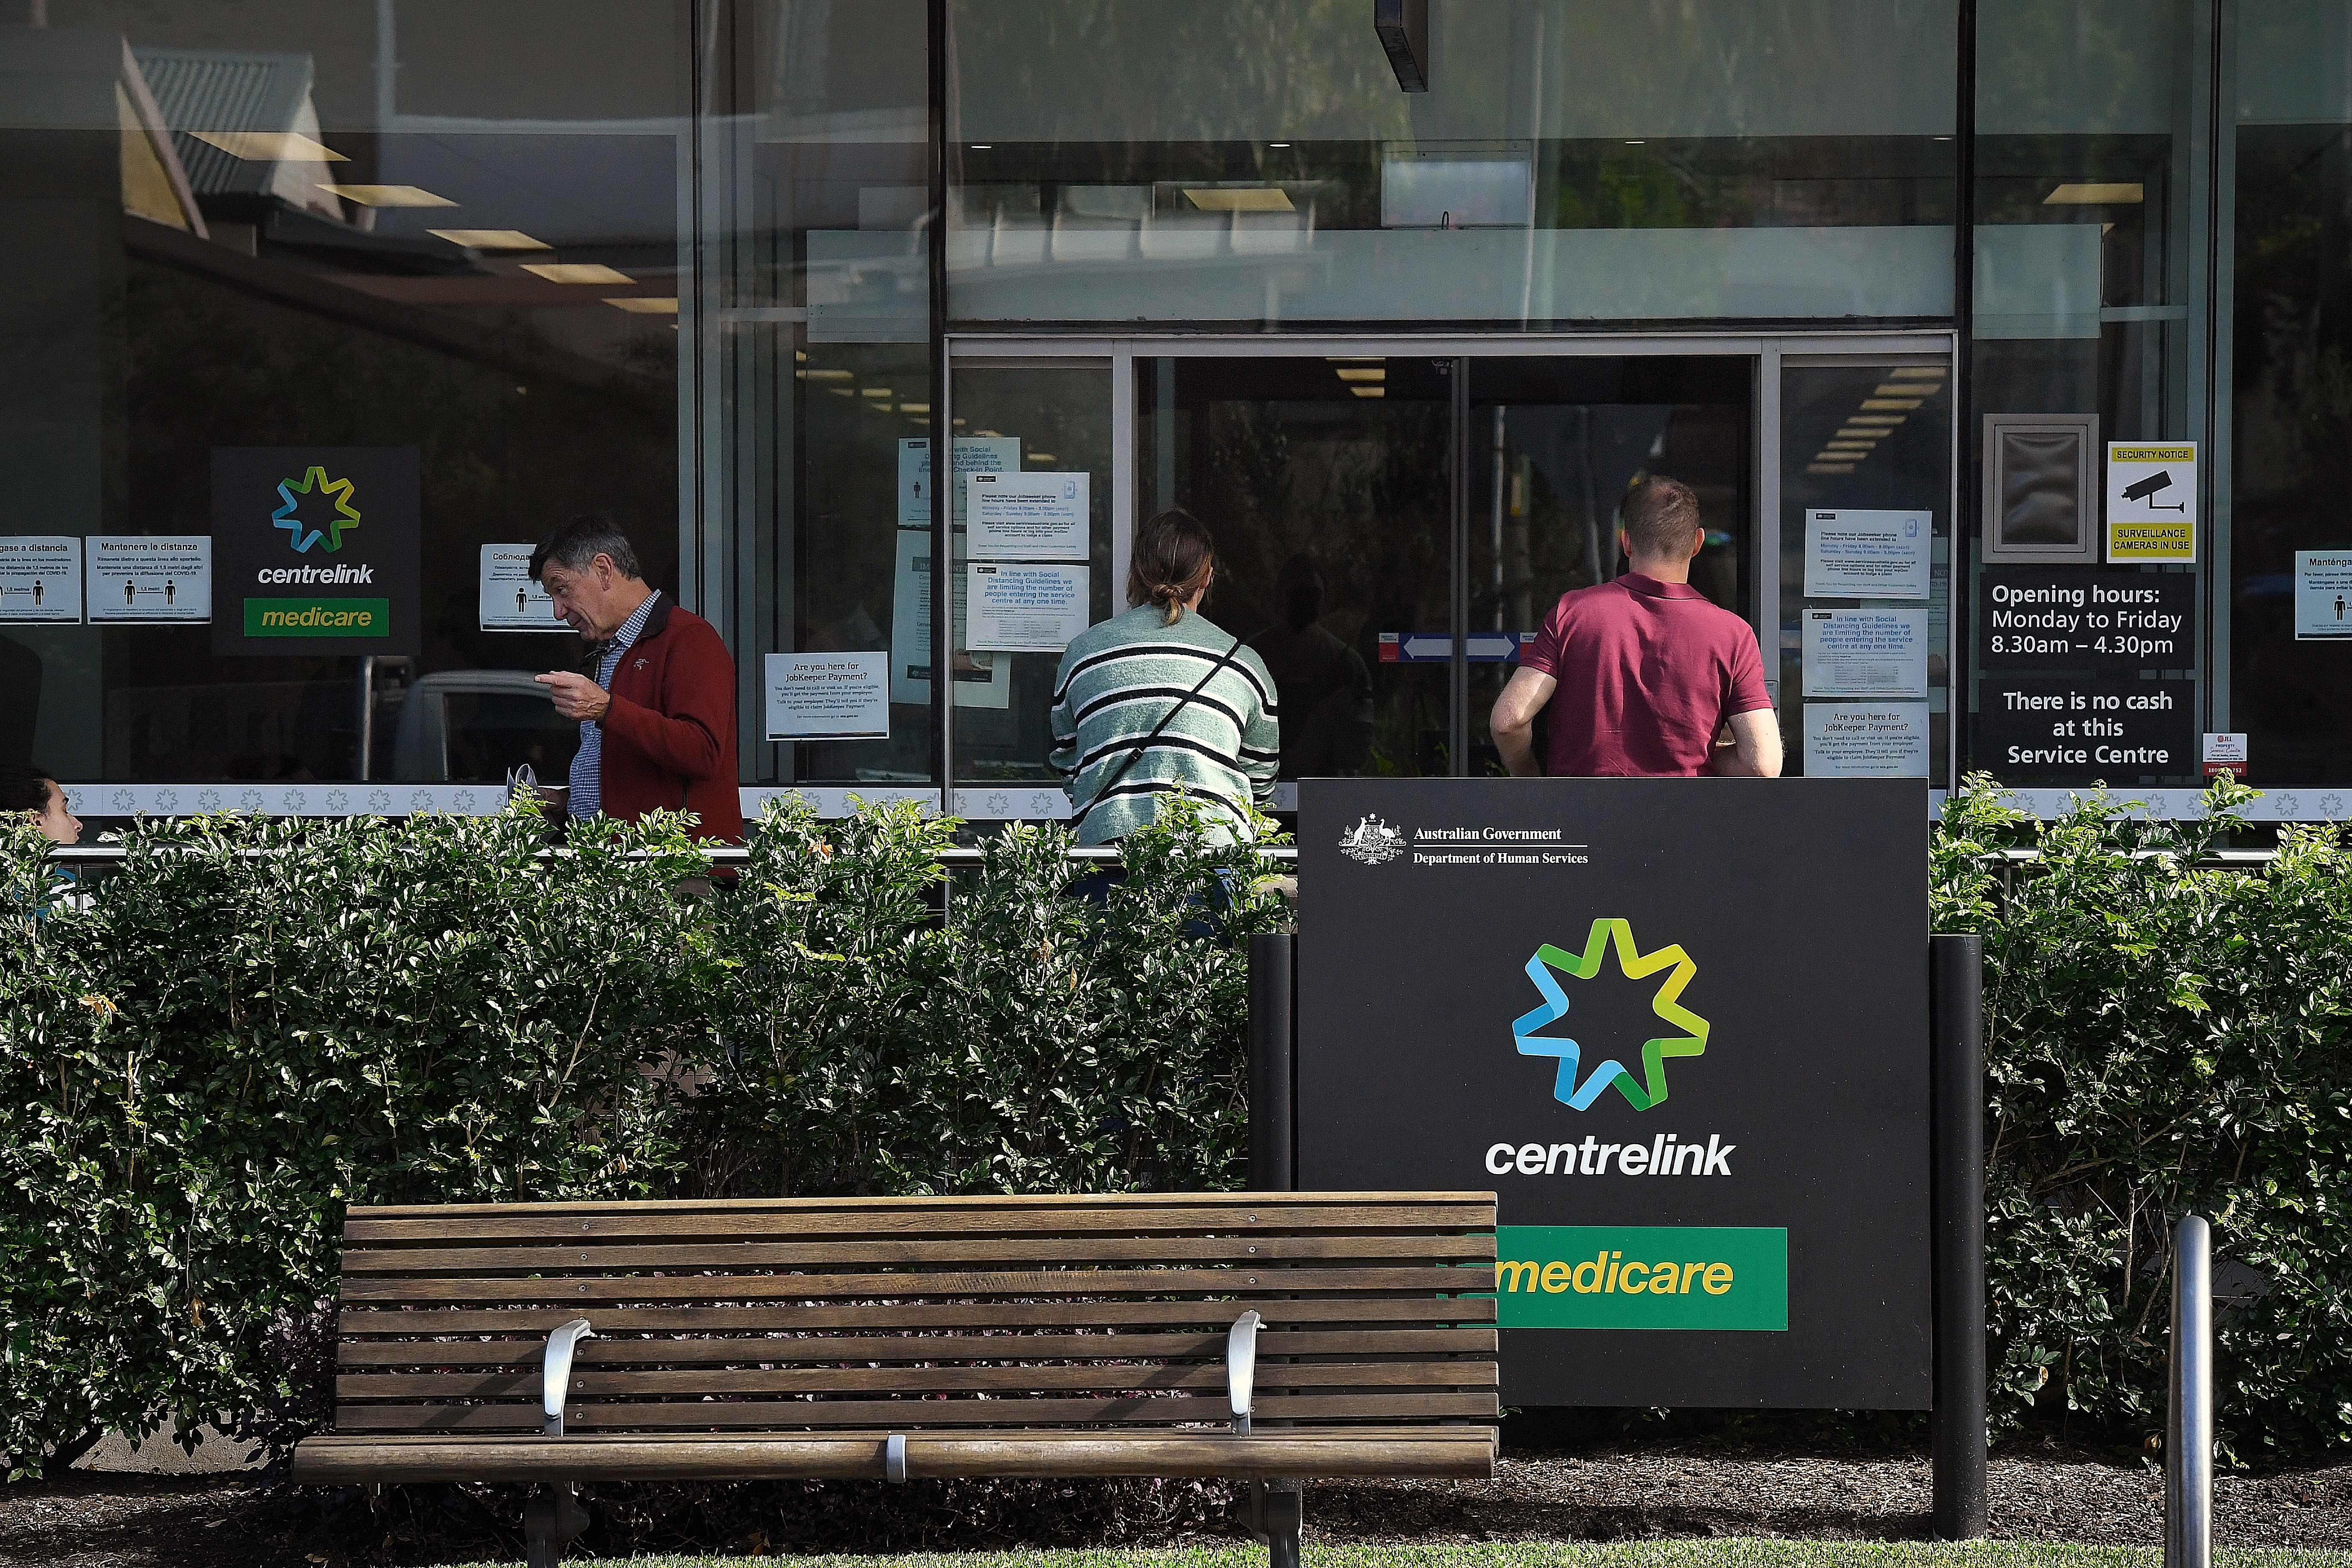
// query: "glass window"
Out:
[2089,329]
[325,297]
[2290,634]
[1255,162]
[808,510]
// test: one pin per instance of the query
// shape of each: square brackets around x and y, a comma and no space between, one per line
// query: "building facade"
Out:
[2008,344]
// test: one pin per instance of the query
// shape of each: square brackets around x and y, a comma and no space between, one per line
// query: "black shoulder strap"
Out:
[1137,748]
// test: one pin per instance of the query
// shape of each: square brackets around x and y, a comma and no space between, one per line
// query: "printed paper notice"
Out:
[2151,502]
[2323,596]
[828,697]
[510,601]
[981,680]
[1868,555]
[1867,740]
[148,579]
[1023,608]
[1028,517]
[1866,652]
[974,455]
[40,578]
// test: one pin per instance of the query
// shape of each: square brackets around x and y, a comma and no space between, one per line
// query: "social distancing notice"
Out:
[2151,503]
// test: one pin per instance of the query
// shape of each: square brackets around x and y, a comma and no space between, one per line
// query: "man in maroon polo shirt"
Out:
[1642,674]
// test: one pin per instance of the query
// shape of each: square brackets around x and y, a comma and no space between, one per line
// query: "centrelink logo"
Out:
[303,536]
[1651,1089]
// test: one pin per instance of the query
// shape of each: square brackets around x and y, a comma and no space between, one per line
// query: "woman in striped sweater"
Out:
[1162,699]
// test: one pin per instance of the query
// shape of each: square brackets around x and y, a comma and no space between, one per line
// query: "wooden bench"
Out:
[1264,1337]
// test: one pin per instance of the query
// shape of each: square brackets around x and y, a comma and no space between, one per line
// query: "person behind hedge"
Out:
[657,719]
[1162,699]
[27,788]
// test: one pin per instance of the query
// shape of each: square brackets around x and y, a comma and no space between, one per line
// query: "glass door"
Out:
[1329,485]
[1554,445]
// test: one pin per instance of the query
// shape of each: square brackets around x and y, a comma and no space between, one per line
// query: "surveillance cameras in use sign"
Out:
[2151,502]
[1680,1028]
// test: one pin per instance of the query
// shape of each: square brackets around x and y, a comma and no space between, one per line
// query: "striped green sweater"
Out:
[1117,680]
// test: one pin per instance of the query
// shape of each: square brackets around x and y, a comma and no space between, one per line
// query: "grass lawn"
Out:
[1733,1553]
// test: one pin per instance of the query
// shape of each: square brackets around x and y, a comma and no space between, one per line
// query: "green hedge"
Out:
[2162,1037]
[253,1023]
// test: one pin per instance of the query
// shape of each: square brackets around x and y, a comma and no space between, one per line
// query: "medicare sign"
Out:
[1680,1028]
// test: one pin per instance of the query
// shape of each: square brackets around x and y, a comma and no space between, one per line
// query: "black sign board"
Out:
[2085,731]
[315,550]
[2053,617]
[1680,1027]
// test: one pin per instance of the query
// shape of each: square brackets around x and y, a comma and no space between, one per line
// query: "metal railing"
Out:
[2188,1408]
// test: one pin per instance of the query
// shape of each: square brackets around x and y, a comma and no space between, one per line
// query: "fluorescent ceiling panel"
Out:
[1243,199]
[269,146]
[645,305]
[490,239]
[2096,194]
[388,196]
[575,272]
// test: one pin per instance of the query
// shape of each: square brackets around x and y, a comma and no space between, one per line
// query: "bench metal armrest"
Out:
[1240,1367]
[555,1372]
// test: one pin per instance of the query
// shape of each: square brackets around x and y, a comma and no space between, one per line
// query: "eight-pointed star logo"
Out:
[1652,1087]
[304,535]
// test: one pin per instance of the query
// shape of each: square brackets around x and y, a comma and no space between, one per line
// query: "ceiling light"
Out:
[1886,419]
[1917,373]
[981,146]
[490,239]
[388,196]
[1374,374]
[1636,142]
[645,305]
[914,408]
[575,272]
[1370,392]
[2096,194]
[1829,468]
[1240,199]
[1849,448]
[1043,457]
[269,146]
[1277,144]
[1886,402]
[1906,389]
[1850,433]
[875,392]
[827,375]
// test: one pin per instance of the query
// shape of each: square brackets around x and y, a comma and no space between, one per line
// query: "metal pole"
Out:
[1957,1066]
[2188,1456]
[1271,1165]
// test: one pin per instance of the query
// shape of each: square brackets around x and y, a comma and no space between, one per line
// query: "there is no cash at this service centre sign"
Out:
[315,550]
[1680,1028]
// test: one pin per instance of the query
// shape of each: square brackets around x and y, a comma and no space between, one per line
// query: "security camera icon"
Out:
[2155,483]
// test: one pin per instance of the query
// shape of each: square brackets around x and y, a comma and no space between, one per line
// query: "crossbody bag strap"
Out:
[1137,748]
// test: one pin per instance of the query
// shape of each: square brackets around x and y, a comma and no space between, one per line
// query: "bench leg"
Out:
[1276,1514]
[550,1520]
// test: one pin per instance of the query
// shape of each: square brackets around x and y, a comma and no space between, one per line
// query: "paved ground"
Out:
[1595,1494]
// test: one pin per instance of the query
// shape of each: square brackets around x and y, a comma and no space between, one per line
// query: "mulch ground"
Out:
[1592,1494]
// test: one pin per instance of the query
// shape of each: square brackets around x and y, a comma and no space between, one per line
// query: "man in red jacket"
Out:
[657,722]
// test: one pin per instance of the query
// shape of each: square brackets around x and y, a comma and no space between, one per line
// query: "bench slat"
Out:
[908,1414]
[884,1250]
[1312,1453]
[486,1224]
[789,1318]
[773,1349]
[1218,1283]
[749,1381]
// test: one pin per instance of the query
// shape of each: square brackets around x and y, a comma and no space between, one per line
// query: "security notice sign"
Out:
[2151,502]
[1692,1063]
[315,550]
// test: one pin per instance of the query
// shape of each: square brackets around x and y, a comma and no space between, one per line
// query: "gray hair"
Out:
[575,543]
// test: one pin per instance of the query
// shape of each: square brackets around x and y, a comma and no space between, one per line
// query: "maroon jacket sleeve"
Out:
[697,697]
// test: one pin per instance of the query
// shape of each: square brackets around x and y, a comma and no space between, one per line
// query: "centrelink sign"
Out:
[1679,1027]
[316,550]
